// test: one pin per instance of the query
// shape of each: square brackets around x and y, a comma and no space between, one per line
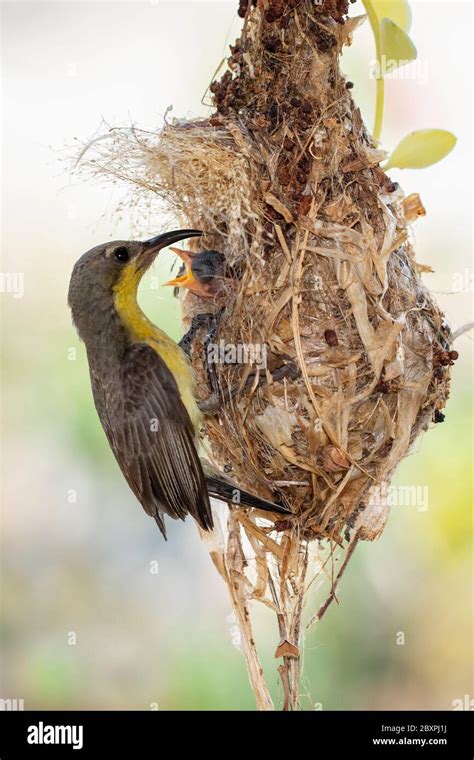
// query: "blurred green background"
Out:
[86,623]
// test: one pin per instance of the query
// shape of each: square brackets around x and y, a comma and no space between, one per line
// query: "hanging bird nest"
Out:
[285,181]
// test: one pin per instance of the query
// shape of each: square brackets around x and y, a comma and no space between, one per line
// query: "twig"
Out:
[332,595]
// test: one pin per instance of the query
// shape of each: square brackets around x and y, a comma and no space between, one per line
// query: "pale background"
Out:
[84,568]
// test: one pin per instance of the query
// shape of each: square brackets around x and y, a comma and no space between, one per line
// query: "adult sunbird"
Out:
[143,388]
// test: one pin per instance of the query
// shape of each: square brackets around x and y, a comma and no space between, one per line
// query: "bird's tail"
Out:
[232,494]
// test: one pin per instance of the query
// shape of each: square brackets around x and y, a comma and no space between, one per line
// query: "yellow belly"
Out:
[144,331]
[178,365]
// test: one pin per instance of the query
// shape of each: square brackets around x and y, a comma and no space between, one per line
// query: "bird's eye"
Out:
[122,254]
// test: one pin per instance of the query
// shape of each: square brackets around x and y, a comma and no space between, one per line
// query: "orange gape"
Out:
[204,273]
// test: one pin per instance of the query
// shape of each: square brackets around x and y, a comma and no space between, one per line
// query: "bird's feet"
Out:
[198,322]
[211,323]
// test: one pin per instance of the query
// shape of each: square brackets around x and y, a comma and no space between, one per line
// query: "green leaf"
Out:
[422,148]
[397,11]
[395,45]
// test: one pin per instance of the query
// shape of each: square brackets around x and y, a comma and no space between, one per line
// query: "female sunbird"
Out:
[143,386]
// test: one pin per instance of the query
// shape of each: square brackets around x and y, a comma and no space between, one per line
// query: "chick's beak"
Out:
[187,279]
[198,276]
[151,247]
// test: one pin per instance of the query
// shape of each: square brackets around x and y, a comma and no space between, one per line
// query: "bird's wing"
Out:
[152,437]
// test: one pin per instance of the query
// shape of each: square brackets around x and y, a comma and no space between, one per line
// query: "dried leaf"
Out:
[277,425]
[333,460]
[286,649]
[423,268]
[349,27]
[273,201]
[413,207]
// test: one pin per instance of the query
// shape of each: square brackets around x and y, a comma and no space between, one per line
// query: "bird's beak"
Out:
[151,248]
[187,279]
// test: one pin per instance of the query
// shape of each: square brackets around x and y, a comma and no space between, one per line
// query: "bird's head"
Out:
[202,273]
[113,271]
